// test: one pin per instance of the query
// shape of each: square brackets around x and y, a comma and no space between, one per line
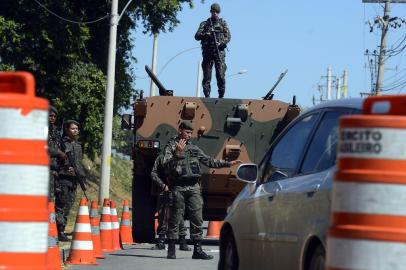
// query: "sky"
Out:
[268,37]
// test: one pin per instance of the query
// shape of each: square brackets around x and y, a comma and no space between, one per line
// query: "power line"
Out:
[173,57]
[68,20]
[395,75]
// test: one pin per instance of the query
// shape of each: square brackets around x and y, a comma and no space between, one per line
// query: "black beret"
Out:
[215,7]
[186,124]
[69,122]
[53,109]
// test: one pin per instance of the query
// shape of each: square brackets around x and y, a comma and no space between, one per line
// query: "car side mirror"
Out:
[247,172]
[126,121]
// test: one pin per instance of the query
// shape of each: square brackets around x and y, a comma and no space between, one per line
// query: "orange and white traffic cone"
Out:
[106,236]
[81,250]
[115,226]
[95,227]
[126,236]
[213,230]
[53,255]
[367,228]
[24,170]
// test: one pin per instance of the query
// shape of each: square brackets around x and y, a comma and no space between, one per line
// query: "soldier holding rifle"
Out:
[70,175]
[164,201]
[214,36]
[181,160]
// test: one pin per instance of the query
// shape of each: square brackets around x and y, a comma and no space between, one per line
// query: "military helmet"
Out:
[186,124]
[69,122]
[215,7]
[53,109]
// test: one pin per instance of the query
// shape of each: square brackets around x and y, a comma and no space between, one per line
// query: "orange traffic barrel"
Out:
[106,236]
[213,229]
[95,227]
[125,225]
[81,249]
[24,174]
[54,256]
[368,227]
[115,226]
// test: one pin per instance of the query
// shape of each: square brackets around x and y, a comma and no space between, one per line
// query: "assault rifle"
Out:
[213,32]
[71,158]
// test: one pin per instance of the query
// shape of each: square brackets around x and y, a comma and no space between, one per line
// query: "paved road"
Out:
[140,256]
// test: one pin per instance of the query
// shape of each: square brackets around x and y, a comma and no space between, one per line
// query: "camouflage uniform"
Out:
[211,55]
[54,144]
[67,184]
[157,174]
[184,175]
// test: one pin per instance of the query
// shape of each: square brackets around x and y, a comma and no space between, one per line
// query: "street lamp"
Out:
[242,71]
[199,77]
[176,55]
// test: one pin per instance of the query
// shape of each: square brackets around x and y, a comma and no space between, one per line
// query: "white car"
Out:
[280,219]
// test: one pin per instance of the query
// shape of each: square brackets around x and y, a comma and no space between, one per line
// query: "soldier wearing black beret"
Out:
[181,160]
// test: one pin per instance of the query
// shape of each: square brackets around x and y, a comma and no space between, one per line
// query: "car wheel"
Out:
[230,259]
[318,259]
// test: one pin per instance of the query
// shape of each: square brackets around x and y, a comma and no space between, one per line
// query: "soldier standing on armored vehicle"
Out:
[214,36]
[68,179]
[54,149]
[181,160]
[164,198]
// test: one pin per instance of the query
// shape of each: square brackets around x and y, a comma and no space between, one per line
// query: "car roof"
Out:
[351,103]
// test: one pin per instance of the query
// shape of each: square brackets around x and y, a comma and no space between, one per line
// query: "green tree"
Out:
[122,139]
[82,90]
[69,60]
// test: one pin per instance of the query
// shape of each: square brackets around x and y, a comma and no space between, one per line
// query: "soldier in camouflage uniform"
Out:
[67,184]
[214,36]
[160,182]
[54,149]
[181,160]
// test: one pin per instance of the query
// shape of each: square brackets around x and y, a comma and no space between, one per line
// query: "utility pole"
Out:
[384,22]
[382,51]
[345,84]
[199,78]
[108,107]
[153,66]
[338,88]
[329,83]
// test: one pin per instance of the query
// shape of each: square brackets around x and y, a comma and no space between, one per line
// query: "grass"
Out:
[120,185]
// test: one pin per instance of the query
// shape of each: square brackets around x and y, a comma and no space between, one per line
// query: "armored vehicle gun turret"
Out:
[223,128]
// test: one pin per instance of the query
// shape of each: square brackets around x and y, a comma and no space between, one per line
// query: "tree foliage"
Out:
[69,60]
[82,92]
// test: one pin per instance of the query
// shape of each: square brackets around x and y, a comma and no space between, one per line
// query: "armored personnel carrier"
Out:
[223,128]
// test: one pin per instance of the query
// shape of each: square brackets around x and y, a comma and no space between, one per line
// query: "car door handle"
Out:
[312,192]
[270,198]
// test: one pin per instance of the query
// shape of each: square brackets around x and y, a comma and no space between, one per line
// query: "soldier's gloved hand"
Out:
[221,46]
[207,35]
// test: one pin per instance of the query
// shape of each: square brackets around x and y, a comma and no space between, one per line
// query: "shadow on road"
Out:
[142,256]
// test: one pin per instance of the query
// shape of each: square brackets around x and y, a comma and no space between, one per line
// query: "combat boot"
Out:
[171,249]
[198,252]
[160,245]
[182,244]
